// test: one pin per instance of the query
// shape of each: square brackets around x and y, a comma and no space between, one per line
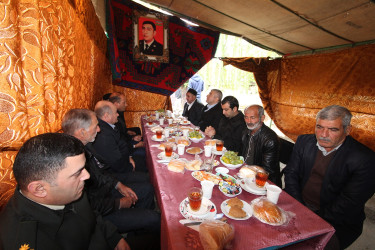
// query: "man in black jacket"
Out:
[132,136]
[130,211]
[49,208]
[261,144]
[333,174]
[231,126]
[111,146]
[192,108]
[212,112]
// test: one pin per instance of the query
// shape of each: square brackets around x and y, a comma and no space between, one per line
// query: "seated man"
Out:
[261,144]
[192,108]
[109,144]
[212,112]
[333,174]
[231,126]
[48,210]
[132,136]
[109,195]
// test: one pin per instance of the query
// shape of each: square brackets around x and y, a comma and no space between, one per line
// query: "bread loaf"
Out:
[176,166]
[215,235]
[235,202]
[267,212]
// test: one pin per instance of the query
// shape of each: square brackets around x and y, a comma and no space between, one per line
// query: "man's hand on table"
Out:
[122,245]
[127,192]
[210,131]
[132,162]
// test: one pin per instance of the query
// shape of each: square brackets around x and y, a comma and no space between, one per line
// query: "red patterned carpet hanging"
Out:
[190,48]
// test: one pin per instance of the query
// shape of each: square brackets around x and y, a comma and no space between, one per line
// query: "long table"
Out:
[305,229]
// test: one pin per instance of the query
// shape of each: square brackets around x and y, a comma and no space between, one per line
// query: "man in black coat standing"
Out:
[192,108]
[231,126]
[212,112]
[333,175]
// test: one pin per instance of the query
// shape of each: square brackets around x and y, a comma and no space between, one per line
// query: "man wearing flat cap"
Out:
[192,108]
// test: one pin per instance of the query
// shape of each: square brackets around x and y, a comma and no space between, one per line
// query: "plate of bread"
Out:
[194,150]
[236,209]
[267,212]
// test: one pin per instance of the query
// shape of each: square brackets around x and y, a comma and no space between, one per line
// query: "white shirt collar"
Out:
[324,151]
[191,104]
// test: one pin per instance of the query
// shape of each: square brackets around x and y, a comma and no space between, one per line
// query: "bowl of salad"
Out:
[231,160]
[196,136]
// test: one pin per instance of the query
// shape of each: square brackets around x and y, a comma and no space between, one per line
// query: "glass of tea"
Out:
[219,145]
[195,198]
[159,134]
[168,148]
[261,177]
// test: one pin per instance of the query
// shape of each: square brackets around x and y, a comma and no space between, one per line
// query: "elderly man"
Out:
[109,144]
[109,195]
[192,108]
[333,174]
[48,210]
[212,112]
[231,126]
[261,144]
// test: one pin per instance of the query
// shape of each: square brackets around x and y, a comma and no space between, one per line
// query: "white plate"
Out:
[252,188]
[231,166]
[283,220]
[162,156]
[246,207]
[156,139]
[199,176]
[184,138]
[186,212]
[201,151]
[185,123]
[215,152]
[222,170]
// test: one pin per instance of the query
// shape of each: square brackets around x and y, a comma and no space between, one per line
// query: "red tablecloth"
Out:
[305,230]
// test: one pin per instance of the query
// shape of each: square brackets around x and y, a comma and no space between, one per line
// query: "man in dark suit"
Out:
[149,46]
[110,145]
[131,135]
[130,207]
[192,108]
[333,175]
[212,112]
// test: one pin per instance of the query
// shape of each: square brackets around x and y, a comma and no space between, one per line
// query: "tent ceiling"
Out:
[286,26]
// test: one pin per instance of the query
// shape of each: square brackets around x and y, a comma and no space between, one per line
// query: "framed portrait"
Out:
[150,37]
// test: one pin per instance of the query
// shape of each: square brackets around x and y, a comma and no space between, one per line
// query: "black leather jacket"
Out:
[266,152]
